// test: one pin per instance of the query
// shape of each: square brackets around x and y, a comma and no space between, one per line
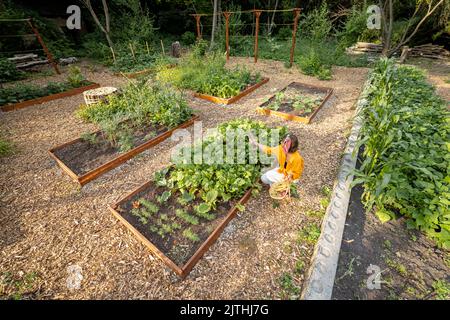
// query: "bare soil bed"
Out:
[296,99]
[48,224]
[411,266]
[84,156]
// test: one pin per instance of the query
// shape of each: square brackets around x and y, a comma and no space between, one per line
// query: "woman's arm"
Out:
[253,142]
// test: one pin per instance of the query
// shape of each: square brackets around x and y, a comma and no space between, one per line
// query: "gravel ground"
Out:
[48,224]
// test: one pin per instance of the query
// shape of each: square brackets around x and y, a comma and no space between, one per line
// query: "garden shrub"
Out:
[406,134]
[188,38]
[9,72]
[312,65]
[353,27]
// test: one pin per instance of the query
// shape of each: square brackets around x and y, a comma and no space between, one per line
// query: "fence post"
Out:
[294,34]
[47,52]
[197,19]
[257,14]
[227,42]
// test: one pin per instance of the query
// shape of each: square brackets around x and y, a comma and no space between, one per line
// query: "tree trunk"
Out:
[387,35]
[213,31]
[273,18]
[105,29]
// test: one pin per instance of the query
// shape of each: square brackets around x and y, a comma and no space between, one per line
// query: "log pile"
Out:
[23,61]
[366,47]
[429,51]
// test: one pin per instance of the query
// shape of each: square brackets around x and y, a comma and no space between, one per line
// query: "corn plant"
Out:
[406,136]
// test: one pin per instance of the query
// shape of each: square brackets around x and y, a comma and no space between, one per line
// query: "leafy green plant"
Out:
[89,137]
[182,214]
[191,235]
[139,105]
[164,197]
[9,72]
[313,65]
[202,210]
[207,74]
[441,289]
[22,92]
[309,234]
[6,148]
[185,198]
[188,38]
[406,151]
[75,78]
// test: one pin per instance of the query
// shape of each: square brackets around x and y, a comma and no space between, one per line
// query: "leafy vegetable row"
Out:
[217,181]
[22,92]
[406,138]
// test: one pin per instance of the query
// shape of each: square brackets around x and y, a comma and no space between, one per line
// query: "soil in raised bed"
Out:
[84,156]
[174,245]
[297,92]
[411,265]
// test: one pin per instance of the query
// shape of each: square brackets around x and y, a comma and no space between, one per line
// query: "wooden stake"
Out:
[257,14]
[132,51]
[47,52]
[294,34]
[113,54]
[162,47]
[148,50]
[227,42]
[197,19]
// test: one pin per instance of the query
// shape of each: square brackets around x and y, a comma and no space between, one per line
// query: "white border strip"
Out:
[320,280]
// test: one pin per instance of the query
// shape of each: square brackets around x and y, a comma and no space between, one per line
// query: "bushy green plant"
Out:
[220,181]
[353,27]
[284,33]
[139,105]
[312,65]
[317,25]
[406,134]
[75,78]
[9,72]
[188,38]
[207,74]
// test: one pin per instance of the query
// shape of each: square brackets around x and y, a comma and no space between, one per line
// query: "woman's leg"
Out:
[272,176]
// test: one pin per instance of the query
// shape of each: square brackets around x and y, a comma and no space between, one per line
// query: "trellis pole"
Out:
[294,34]
[197,19]
[47,52]
[227,16]
[257,14]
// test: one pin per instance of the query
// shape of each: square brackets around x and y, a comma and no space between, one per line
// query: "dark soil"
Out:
[411,266]
[84,156]
[295,89]
[173,244]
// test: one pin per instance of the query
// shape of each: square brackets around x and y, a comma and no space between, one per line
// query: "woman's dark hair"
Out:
[294,142]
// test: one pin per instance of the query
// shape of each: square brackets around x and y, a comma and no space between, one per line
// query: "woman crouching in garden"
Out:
[290,162]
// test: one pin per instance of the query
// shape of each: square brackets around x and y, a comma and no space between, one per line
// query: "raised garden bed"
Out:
[296,102]
[84,161]
[175,249]
[68,93]
[250,88]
